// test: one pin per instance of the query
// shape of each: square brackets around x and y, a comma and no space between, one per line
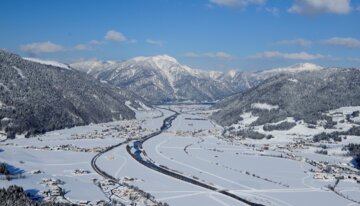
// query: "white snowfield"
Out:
[264,106]
[268,172]
[293,80]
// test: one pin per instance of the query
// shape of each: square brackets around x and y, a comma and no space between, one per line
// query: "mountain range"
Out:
[39,95]
[161,79]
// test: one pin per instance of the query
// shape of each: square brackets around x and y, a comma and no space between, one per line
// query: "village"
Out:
[123,193]
[128,128]
[324,169]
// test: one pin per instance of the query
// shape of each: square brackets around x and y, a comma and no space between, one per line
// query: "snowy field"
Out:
[262,171]
[59,153]
[240,169]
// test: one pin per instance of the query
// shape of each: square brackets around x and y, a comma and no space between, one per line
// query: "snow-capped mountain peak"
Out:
[231,73]
[296,68]
[305,67]
[92,66]
[160,61]
[164,58]
[165,64]
[157,58]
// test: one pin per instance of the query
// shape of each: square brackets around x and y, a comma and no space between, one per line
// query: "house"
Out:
[55,191]
[35,172]
[83,202]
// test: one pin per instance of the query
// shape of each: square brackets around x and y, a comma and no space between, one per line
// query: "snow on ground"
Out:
[345,110]
[48,62]
[237,168]
[143,106]
[293,80]
[175,192]
[247,119]
[302,129]
[264,106]
[53,165]
[19,72]
[2,104]
[255,174]
[4,87]
[44,153]
[258,170]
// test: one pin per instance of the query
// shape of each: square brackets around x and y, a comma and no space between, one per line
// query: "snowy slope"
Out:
[36,97]
[303,95]
[48,62]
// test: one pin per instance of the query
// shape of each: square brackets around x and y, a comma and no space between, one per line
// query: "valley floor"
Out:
[266,172]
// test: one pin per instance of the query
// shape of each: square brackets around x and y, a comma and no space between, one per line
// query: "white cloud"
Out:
[295,42]
[83,47]
[280,55]
[192,55]
[237,3]
[355,59]
[274,11]
[216,55]
[345,42]
[42,47]
[96,42]
[314,7]
[220,55]
[115,36]
[155,42]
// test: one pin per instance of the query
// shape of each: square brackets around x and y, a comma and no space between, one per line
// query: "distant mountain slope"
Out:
[304,95]
[35,97]
[160,79]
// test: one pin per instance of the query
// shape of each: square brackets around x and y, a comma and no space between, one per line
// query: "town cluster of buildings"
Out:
[55,193]
[81,172]
[326,171]
[128,129]
[66,147]
[124,194]
[197,133]
[54,190]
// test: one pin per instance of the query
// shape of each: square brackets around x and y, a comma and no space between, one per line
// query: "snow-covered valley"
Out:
[277,171]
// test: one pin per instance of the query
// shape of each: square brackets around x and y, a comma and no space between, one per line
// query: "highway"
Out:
[135,149]
[97,169]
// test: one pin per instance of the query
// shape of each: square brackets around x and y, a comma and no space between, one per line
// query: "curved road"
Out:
[138,150]
[97,169]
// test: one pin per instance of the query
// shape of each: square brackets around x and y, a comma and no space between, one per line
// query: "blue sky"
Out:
[206,34]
